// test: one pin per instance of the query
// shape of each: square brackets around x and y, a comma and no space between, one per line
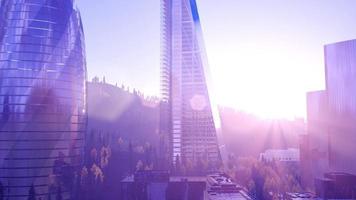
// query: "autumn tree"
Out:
[131,158]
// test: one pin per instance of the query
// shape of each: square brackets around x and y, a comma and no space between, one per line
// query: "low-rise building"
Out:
[221,187]
[336,186]
[282,155]
[159,185]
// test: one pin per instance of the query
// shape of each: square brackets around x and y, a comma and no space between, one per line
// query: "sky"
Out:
[264,55]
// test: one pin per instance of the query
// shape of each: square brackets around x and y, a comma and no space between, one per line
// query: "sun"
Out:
[261,81]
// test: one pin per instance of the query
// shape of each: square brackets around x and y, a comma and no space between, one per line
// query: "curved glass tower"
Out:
[42,97]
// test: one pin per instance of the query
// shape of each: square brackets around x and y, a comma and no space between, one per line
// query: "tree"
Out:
[84,182]
[120,143]
[97,173]
[259,183]
[93,155]
[90,141]
[139,165]
[105,155]
[32,193]
[130,158]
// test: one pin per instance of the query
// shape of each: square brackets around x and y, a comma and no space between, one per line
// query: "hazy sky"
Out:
[263,54]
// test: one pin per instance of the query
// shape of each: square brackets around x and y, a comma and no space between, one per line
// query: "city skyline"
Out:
[265,109]
[328,145]
[259,44]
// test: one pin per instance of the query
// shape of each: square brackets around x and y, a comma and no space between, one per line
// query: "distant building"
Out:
[314,146]
[336,186]
[42,98]
[340,67]
[330,144]
[160,185]
[281,155]
[187,117]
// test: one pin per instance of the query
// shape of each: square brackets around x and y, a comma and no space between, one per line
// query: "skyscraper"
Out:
[330,148]
[340,61]
[187,117]
[315,145]
[42,97]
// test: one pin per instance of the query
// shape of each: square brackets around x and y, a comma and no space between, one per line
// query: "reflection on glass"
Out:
[42,97]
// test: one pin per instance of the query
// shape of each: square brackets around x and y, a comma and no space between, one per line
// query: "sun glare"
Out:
[264,82]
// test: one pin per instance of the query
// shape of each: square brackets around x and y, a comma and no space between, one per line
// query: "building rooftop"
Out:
[187,178]
[221,187]
[176,179]
[232,196]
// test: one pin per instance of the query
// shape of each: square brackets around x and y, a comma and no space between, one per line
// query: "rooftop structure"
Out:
[282,155]
[221,187]
[160,185]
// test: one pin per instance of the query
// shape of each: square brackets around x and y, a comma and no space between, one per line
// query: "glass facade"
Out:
[189,118]
[315,148]
[42,97]
[340,61]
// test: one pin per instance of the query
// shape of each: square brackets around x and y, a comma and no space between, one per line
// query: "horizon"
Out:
[154,98]
[243,50]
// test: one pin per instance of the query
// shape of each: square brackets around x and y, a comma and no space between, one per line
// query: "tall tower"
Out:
[187,116]
[42,98]
[340,68]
